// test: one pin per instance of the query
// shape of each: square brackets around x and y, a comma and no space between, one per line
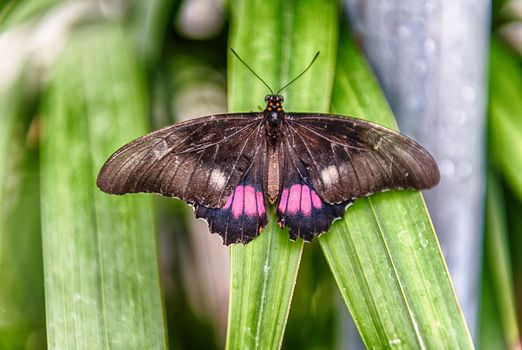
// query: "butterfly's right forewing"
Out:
[348,158]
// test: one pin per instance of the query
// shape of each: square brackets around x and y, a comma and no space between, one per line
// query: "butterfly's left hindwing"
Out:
[244,214]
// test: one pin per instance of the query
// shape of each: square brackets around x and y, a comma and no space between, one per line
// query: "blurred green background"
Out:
[135,66]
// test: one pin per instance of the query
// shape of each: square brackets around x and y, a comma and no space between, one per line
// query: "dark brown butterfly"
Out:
[230,167]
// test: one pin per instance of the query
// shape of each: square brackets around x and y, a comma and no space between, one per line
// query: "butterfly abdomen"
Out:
[273,177]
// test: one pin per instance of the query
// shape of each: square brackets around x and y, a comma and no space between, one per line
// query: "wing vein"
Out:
[235,164]
[325,137]
[309,153]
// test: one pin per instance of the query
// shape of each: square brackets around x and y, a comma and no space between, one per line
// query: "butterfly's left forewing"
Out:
[199,161]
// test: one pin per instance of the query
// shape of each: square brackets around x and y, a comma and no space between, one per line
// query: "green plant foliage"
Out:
[314,321]
[101,275]
[14,12]
[503,230]
[498,282]
[384,254]
[505,108]
[96,254]
[278,39]
[21,275]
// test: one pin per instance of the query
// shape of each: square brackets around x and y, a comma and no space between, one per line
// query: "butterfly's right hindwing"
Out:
[299,206]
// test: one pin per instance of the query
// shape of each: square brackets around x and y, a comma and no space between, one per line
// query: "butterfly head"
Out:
[274,109]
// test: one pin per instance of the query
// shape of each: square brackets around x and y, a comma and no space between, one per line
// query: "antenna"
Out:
[299,76]
[258,77]
[287,84]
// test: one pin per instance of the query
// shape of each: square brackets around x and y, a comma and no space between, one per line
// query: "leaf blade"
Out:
[391,241]
[99,251]
[267,267]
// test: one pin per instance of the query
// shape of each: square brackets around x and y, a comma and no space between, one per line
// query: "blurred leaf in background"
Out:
[22,319]
[100,256]
[502,276]
[503,265]
[21,271]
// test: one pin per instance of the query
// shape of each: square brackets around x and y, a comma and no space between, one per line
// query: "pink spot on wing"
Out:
[294,199]
[246,200]
[250,200]
[283,201]
[260,203]
[229,202]
[237,203]
[299,198]
[306,201]
[316,201]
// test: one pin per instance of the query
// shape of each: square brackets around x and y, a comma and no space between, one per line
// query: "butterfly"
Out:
[232,167]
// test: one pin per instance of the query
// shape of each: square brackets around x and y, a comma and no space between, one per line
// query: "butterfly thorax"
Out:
[274,117]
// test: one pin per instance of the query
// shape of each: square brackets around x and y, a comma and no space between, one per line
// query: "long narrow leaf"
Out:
[384,254]
[505,107]
[21,275]
[499,260]
[100,261]
[278,39]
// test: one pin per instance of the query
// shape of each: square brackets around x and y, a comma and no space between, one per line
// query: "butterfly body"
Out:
[274,119]
[232,167]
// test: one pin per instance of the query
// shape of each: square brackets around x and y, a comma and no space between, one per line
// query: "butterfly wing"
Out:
[200,160]
[347,158]
[329,161]
[299,207]
[215,163]
[244,214]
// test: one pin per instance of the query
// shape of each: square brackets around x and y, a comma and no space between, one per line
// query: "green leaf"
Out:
[148,24]
[491,330]
[100,256]
[505,109]
[384,254]
[278,39]
[15,12]
[505,145]
[496,247]
[21,271]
